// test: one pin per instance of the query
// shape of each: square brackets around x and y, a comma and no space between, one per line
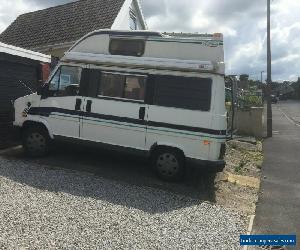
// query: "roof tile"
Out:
[60,24]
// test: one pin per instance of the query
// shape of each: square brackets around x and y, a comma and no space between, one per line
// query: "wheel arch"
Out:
[43,124]
[158,145]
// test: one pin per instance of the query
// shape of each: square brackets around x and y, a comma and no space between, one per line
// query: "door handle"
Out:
[78,104]
[88,106]
[142,112]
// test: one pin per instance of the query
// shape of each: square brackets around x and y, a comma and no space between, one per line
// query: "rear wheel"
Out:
[168,164]
[36,141]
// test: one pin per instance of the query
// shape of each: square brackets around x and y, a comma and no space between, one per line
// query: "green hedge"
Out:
[248,101]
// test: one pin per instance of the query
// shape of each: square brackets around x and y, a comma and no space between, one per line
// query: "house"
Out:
[285,88]
[20,72]
[54,30]
[243,81]
[296,87]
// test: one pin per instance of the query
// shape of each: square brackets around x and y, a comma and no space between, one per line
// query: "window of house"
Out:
[183,92]
[132,21]
[122,86]
[65,82]
[126,47]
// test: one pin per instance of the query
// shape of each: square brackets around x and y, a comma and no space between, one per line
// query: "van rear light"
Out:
[205,142]
[222,151]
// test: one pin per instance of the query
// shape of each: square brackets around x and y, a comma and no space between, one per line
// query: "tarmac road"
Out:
[278,209]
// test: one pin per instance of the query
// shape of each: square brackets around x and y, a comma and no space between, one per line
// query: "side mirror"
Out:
[39,90]
[42,90]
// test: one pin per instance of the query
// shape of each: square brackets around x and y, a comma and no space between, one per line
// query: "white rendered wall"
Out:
[122,21]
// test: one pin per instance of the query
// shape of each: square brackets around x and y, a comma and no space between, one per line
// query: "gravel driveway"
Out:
[46,208]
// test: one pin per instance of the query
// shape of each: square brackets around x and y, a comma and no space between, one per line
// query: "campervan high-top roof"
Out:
[147,49]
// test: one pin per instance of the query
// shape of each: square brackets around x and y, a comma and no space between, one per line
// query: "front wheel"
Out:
[168,164]
[36,142]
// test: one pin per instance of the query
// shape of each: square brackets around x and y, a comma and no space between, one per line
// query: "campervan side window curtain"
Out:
[112,85]
[126,47]
[131,87]
[183,92]
[135,88]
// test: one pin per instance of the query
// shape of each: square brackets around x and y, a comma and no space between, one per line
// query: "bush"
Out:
[248,101]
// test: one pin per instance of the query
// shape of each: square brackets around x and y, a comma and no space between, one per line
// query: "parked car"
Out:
[140,92]
[274,99]
[282,97]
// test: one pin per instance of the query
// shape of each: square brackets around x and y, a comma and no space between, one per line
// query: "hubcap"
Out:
[36,142]
[167,164]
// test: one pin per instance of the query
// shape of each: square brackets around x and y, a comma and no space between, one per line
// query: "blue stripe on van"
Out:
[47,111]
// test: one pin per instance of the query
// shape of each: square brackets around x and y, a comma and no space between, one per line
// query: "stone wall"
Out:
[249,122]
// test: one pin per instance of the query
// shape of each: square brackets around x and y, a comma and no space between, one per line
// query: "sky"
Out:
[243,23]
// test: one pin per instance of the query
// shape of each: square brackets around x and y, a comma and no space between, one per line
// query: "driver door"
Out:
[61,108]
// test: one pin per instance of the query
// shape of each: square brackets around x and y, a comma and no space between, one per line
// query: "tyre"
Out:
[36,141]
[169,164]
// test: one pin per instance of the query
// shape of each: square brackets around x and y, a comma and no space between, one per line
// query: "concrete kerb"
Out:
[250,227]
[243,180]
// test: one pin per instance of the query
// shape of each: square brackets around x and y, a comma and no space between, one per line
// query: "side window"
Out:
[126,47]
[65,82]
[112,85]
[54,83]
[122,86]
[183,92]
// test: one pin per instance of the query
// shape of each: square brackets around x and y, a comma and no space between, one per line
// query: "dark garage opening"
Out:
[18,75]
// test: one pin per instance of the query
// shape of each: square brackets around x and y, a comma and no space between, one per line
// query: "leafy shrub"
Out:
[248,101]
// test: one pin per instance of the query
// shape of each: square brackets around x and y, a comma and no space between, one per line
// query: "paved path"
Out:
[278,210]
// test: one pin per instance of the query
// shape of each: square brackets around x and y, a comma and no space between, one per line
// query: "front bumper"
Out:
[208,166]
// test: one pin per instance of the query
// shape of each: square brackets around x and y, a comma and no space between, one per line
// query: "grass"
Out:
[245,158]
[239,168]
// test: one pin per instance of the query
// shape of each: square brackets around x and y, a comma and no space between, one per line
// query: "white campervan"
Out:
[139,91]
